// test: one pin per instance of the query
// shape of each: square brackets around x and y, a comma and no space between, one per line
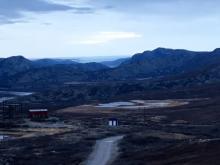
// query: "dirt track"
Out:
[105,151]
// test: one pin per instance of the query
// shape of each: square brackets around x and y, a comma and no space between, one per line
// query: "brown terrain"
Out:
[182,132]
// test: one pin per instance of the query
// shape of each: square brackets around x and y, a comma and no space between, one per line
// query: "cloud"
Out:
[12,11]
[105,37]
[185,8]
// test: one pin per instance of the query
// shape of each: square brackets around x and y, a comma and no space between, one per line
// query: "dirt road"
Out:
[105,151]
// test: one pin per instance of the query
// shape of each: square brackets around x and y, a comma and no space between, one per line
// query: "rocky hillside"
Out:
[180,66]
[12,65]
[19,72]
[165,62]
[50,62]
[115,63]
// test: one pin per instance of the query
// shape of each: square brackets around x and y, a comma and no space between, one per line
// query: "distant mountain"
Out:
[164,62]
[18,71]
[40,78]
[98,59]
[49,62]
[115,63]
[171,65]
[12,65]
[92,66]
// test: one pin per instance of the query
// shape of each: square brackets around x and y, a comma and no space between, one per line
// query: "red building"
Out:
[36,114]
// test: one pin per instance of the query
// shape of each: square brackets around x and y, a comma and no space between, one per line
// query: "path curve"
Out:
[105,151]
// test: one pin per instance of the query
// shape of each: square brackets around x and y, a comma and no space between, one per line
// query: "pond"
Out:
[115,104]
[8,95]
[2,99]
[4,137]
[143,104]
[15,93]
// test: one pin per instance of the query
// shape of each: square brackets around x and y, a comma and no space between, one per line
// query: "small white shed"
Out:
[113,122]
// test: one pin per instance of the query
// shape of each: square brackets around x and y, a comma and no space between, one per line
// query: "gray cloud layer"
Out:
[184,8]
[12,11]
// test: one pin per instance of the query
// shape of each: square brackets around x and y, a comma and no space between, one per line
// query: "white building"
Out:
[113,122]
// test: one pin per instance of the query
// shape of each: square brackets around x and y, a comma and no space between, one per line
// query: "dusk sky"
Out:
[82,28]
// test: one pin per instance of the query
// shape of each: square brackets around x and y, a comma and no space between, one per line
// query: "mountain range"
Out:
[169,64]
[165,62]
[19,71]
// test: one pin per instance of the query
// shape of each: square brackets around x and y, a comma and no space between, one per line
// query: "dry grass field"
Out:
[151,136]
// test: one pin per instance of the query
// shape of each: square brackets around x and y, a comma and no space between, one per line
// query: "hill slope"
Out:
[164,62]
[179,66]
[20,72]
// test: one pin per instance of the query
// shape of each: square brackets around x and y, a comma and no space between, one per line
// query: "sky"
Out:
[88,28]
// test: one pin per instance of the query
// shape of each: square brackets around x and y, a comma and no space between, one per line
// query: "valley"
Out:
[156,133]
[160,67]
[164,111]
[109,82]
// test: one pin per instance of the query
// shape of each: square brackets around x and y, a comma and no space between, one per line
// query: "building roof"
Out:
[113,119]
[38,110]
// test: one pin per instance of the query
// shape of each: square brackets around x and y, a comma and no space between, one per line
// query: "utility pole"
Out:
[144,115]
